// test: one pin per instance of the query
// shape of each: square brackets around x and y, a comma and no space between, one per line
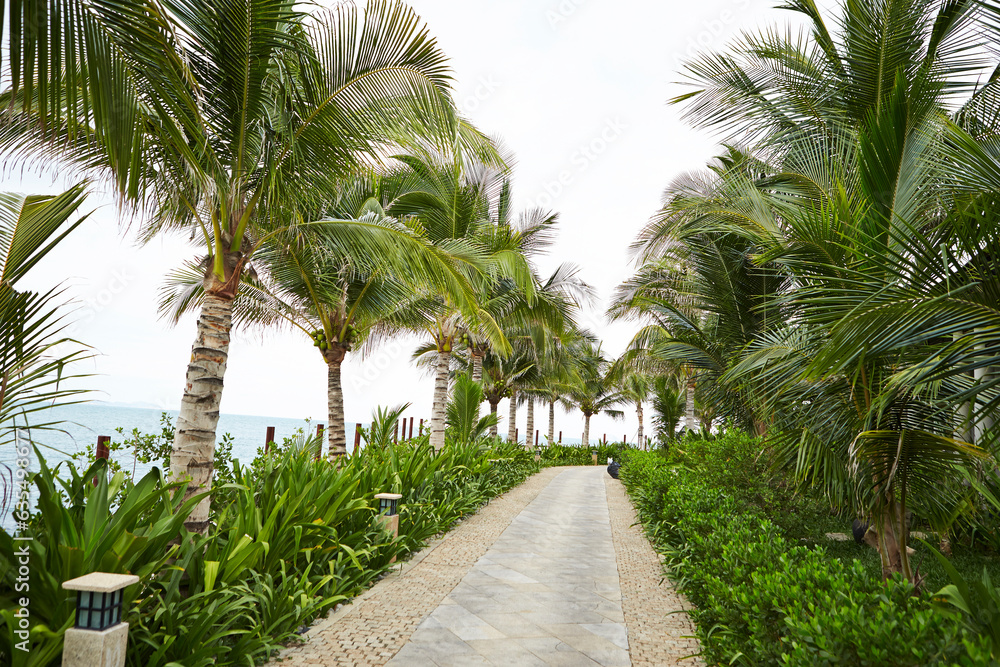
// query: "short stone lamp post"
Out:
[538,454]
[388,513]
[99,637]
[593,456]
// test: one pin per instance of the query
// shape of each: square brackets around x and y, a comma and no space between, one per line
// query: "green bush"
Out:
[760,596]
[577,455]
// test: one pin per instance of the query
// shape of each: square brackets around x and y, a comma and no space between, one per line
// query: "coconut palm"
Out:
[225,120]
[34,350]
[460,200]
[593,392]
[635,388]
[668,406]
[861,183]
[305,279]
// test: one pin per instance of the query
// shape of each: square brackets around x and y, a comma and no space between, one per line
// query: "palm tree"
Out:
[224,119]
[501,376]
[635,388]
[309,281]
[668,406]
[593,393]
[34,352]
[460,201]
[463,412]
[867,179]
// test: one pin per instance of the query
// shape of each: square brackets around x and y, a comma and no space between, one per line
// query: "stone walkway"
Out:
[532,579]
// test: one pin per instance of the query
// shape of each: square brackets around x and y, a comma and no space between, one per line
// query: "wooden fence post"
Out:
[268,439]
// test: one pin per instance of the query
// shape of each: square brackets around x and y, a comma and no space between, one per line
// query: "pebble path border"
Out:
[657,634]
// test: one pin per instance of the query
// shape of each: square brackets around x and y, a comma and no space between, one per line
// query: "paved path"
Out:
[532,579]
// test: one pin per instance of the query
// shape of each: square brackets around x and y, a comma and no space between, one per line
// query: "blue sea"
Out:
[81,424]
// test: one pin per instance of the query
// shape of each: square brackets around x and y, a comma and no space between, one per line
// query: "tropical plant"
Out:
[307,279]
[385,422]
[593,393]
[464,422]
[848,241]
[35,353]
[668,407]
[227,120]
[461,200]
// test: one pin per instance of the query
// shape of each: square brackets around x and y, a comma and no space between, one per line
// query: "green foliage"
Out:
[385,421]
[76,530]
[733,543]
[34,351]
[576,455]
[294,536]
[464,423]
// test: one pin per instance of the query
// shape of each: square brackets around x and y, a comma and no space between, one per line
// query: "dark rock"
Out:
[859,528]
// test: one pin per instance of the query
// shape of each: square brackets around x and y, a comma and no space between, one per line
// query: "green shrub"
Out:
[577,455]
[761,597]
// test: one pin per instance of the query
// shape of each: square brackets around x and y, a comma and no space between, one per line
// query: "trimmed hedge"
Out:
[760,598]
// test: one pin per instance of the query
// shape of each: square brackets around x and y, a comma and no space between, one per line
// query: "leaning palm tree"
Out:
[34,350]
[308,281]
[225,120]
[454,197]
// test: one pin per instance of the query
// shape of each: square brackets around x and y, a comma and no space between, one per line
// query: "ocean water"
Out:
[82,424]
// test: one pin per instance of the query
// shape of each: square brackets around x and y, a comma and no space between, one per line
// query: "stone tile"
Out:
[503,652]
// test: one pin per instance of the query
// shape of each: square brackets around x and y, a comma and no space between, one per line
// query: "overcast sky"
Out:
[576,88]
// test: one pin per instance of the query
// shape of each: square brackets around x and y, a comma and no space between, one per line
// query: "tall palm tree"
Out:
[636,388]
[305,279]
[866,169]
[459,200]
[593,392]
[223,119]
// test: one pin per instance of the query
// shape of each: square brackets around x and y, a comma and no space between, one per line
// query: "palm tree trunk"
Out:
[493,411]
[552,422]
[336,429]
[528,444]
[889,548]
[586,430]
[477,368]
[193,454]
[440,407]
[512,417]
[689,413]
[638,412]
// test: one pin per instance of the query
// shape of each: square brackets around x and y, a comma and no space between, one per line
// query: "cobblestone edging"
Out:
[657,636]
[380,621]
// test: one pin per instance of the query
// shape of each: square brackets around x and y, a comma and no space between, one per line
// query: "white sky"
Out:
[576,88]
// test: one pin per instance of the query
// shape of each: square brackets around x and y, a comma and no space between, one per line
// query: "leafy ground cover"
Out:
[768,587]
